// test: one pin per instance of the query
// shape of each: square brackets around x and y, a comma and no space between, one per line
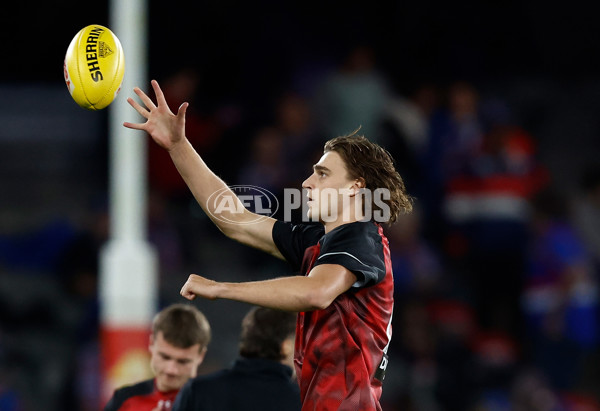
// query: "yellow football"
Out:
[94,67]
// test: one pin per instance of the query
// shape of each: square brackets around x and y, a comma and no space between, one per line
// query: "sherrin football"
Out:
[94,67]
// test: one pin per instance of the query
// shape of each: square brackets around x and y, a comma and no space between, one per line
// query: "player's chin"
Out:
[312,215]
[172,382]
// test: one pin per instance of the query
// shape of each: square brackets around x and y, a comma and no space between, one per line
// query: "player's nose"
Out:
[307,184]
[171,367]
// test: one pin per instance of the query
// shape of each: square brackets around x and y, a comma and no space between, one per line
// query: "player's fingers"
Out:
[187,294]
[182,110]
[185,289]
[134,126]
[160,97]
[143,112]
[147,101]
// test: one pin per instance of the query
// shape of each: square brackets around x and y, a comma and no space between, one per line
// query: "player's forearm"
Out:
[315,291]
[202,182]
[296,293]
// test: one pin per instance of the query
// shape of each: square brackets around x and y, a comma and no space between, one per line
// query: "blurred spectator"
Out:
[411,116]
[561,294]
[416,265]
[178,343]
[455,134]
[265,165]
[491,171]
[353,96]
[407,129]
[294,120]
[278,153]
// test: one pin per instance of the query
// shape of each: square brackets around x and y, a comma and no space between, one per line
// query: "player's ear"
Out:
[202,354]
[358,184]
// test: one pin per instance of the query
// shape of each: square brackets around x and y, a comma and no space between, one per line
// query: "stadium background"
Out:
[261,69]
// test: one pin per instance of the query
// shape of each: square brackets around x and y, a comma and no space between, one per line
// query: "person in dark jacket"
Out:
[260,379]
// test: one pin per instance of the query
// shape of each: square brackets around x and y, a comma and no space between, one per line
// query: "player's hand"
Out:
[166,128]
[197,286]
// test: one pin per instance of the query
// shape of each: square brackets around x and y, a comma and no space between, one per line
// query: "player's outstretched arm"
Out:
[298,293]
[168,131]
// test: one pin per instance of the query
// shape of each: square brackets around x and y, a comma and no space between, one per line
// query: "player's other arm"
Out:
[168,131]
[314,292]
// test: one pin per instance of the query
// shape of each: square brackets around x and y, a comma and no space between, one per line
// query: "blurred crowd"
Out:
[496,272]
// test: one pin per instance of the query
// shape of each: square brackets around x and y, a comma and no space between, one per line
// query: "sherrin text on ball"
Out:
[94,67]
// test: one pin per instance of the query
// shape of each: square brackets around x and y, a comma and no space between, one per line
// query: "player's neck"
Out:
[330,225]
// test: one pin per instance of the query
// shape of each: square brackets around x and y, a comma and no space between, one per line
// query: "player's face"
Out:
[327,186]
[173,366]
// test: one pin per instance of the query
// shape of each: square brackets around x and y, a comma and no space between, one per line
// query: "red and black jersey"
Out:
[143,396]
[341,351]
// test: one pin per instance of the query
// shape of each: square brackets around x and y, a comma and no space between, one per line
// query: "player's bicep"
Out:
[331,280]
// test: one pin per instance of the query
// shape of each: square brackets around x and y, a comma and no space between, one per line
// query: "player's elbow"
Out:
[231,231]
[237,231]
[317,300]
[245,228]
